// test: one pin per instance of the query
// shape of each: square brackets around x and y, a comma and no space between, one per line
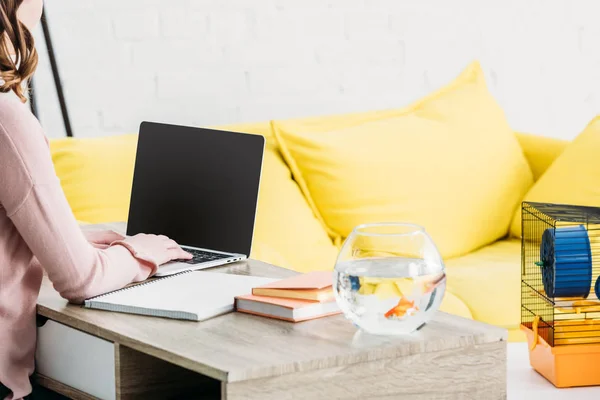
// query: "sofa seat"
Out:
[488,280]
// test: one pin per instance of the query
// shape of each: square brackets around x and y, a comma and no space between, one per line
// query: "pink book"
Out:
[313,286]
[285,309]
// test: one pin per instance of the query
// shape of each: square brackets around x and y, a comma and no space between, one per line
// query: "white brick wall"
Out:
[206,62]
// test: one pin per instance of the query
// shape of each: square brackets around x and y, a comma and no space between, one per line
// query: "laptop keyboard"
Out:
[203,256]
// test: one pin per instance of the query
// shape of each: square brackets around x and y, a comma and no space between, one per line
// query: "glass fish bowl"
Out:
[389,278]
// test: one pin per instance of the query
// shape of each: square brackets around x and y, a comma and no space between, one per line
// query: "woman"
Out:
[37,228]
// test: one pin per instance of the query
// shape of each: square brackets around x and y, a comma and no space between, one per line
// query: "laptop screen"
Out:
[197,186]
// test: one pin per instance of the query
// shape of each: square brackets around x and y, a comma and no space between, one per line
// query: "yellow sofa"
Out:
[96,176]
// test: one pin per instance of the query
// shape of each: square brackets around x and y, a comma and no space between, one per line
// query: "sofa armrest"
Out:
[540,151]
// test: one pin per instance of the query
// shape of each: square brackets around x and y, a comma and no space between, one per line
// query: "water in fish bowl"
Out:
[389,296]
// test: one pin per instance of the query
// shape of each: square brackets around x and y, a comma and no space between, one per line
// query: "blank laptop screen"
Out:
[197,186]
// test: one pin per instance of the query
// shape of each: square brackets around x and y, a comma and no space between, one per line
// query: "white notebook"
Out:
[191,295]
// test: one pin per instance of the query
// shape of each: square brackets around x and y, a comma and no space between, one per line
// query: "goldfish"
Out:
[402,308]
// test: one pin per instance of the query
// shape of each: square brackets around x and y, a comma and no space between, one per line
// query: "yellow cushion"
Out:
[450,162]
[540,151]
[287,233]
[488,282]
[574,176]
[96,175]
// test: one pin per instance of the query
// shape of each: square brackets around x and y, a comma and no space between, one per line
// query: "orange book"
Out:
[286,309]
[313,286]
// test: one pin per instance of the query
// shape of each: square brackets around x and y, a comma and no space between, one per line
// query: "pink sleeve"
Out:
[33,199]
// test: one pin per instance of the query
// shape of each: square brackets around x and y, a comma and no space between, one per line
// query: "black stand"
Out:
[57,80]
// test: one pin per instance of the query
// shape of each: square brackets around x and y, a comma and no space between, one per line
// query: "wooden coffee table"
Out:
[90,354]
[239,356]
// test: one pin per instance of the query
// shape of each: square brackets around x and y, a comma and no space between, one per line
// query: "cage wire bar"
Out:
[563,320]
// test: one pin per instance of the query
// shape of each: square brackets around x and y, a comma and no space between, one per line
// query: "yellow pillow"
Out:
[540,151]
[450,162]
[96,175]
[573,178]
[287,233]
[321,124]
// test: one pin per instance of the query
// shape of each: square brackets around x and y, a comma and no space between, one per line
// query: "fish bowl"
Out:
[389,278]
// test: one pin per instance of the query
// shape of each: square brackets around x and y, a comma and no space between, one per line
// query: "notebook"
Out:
[285,309]
[190,295]
[312,286]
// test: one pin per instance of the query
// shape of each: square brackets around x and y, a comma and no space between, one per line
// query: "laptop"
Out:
[199,187]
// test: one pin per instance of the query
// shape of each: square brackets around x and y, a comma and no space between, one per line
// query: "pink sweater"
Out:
[36,223]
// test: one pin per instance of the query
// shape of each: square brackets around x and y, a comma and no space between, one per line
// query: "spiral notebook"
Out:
[190,295]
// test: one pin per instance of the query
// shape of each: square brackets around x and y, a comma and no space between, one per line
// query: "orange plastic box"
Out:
[566,365]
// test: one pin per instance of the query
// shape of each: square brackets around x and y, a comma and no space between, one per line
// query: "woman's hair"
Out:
[18,57]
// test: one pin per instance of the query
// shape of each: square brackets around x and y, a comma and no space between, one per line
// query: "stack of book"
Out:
[295,299]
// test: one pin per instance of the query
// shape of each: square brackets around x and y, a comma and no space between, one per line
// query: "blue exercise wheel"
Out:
[566,262]
[597,287]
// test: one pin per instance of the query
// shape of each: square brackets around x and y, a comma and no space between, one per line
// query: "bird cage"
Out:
[560,290]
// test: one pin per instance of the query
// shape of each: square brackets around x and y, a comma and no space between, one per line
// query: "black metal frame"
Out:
[57,80]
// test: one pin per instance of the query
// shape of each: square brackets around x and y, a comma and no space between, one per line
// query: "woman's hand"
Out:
[102,239]
[158,249]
